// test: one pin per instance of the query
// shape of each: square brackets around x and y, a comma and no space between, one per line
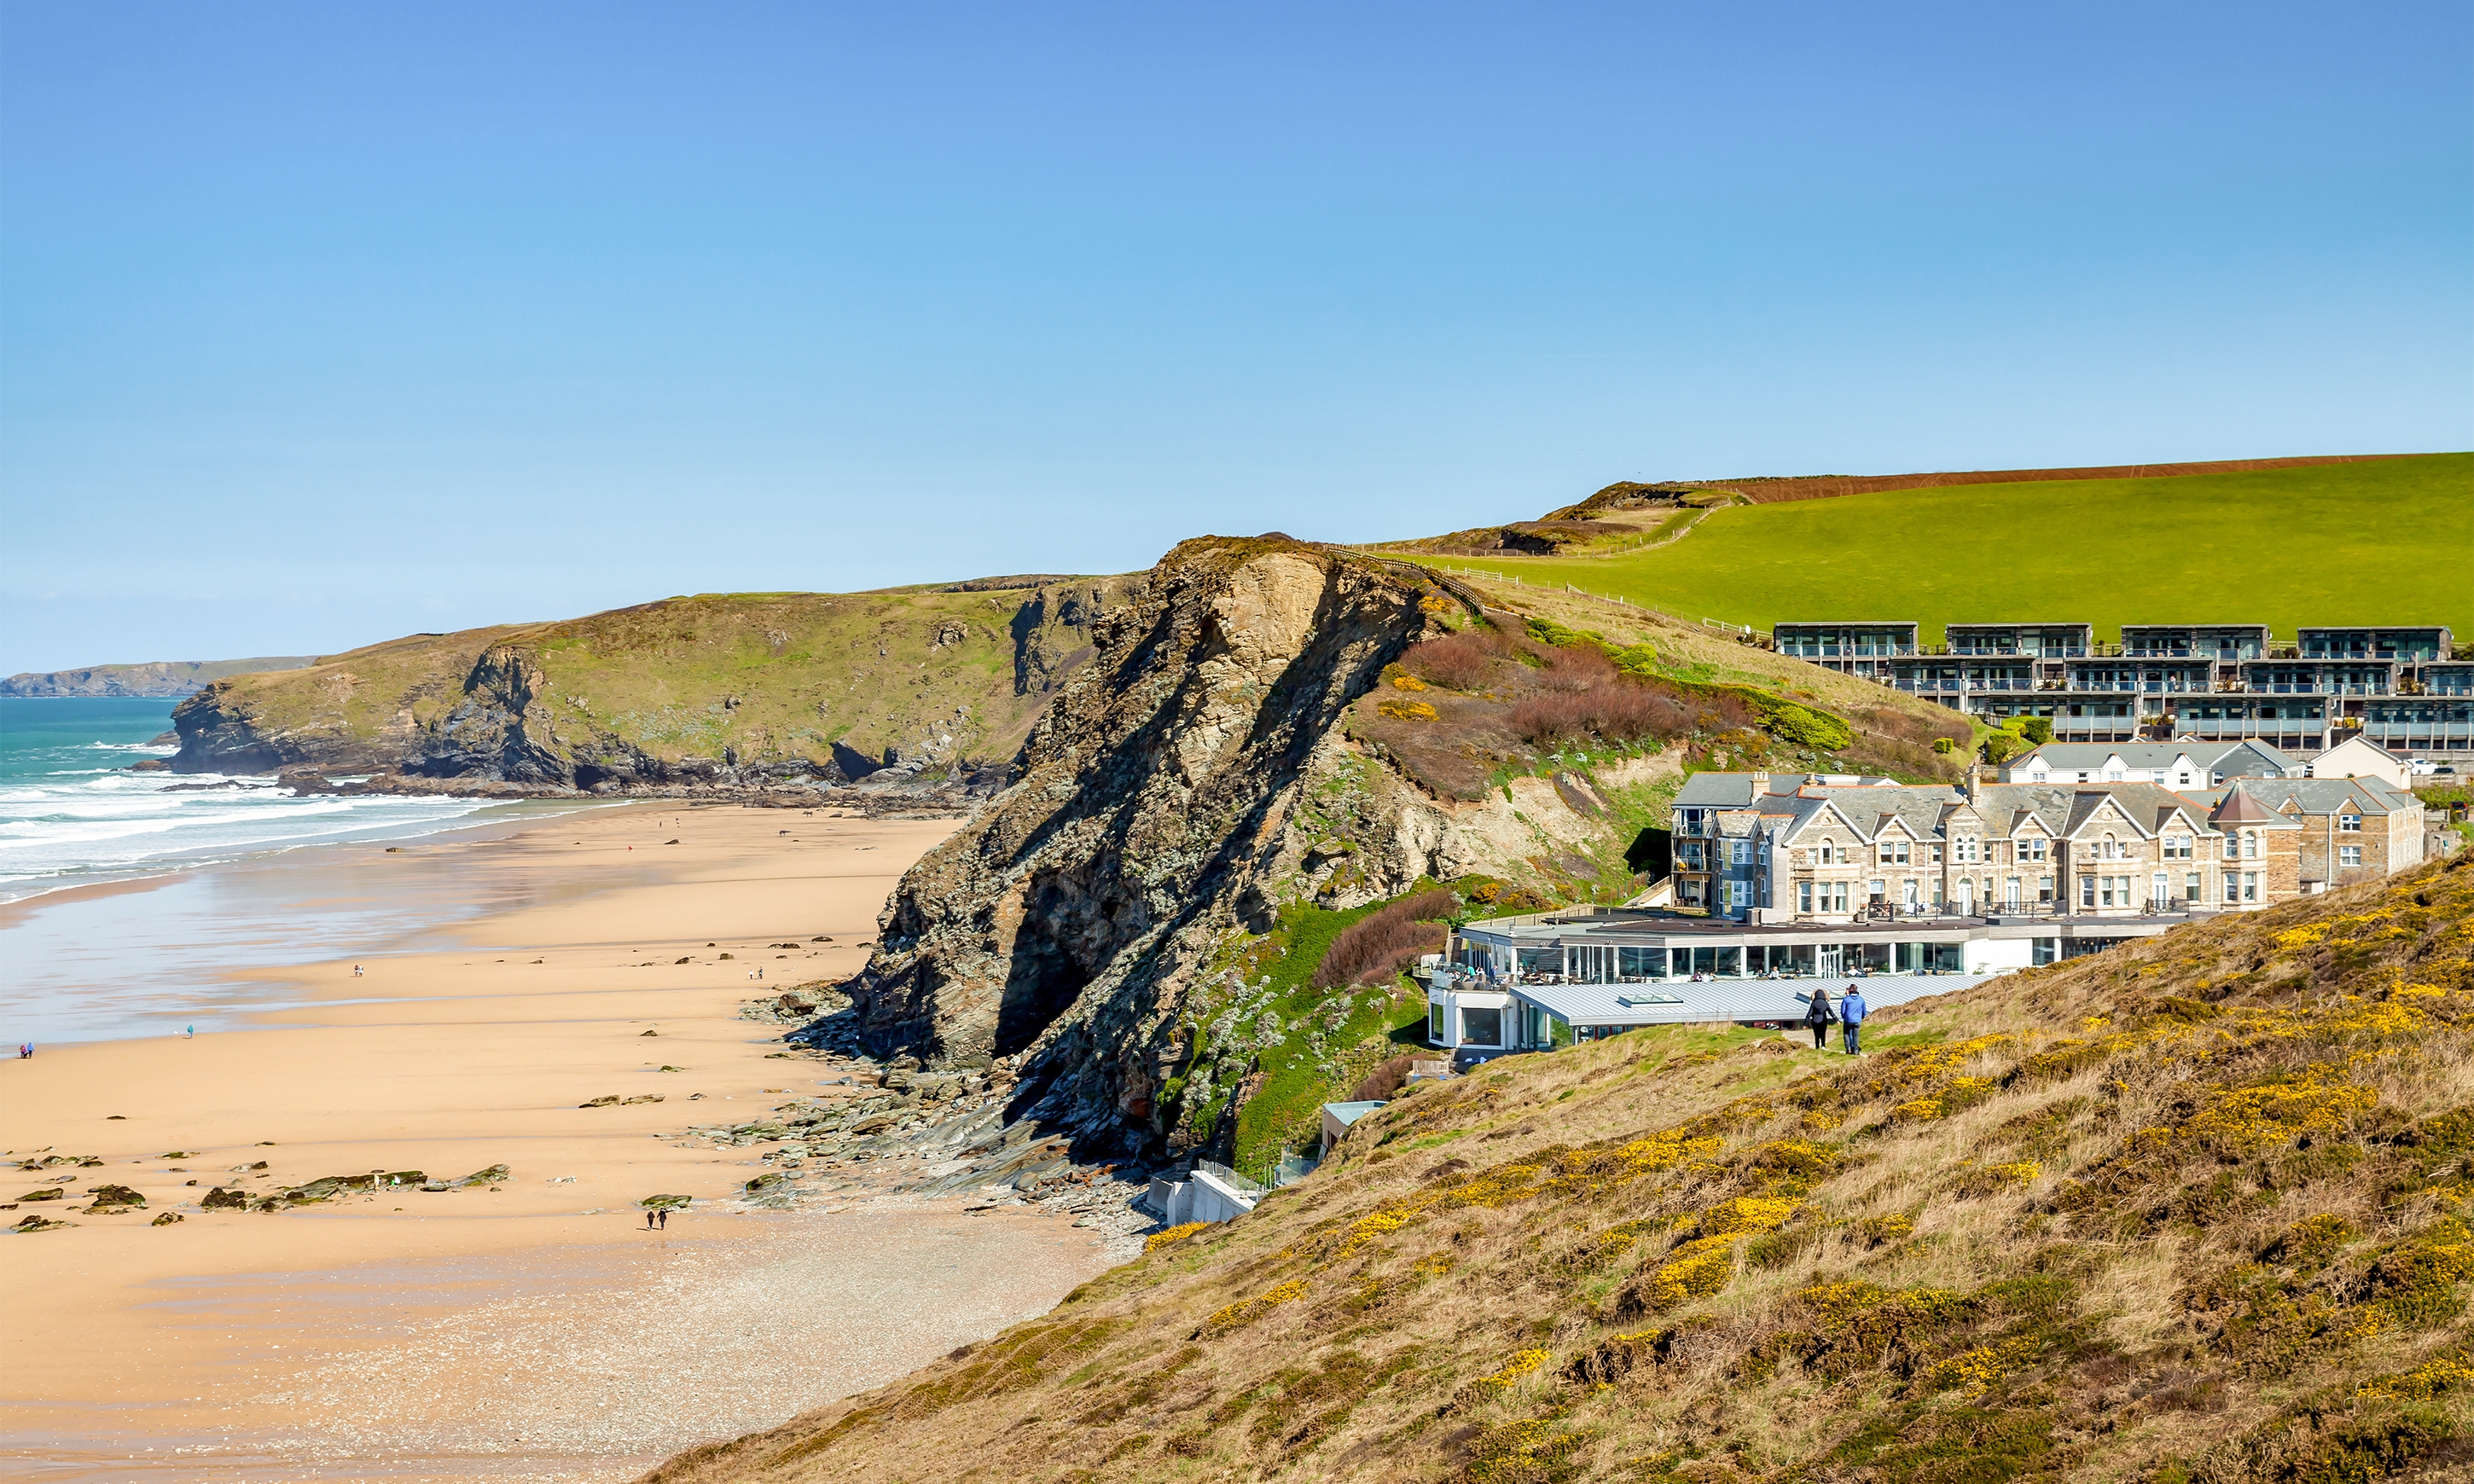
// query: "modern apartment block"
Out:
[2400,689]
[1851,648]
[2229,642]
[2411,645]
[2035,641]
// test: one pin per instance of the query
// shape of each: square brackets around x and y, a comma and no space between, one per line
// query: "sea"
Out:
[188,877]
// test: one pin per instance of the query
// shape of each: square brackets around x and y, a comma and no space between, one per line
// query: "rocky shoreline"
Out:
[892,1128]
[903,798]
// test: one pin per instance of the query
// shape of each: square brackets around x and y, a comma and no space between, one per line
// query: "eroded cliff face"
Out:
[1175,791]
[716,692]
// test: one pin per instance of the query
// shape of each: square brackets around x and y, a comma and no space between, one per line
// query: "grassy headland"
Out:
[757,679]
[2385,540]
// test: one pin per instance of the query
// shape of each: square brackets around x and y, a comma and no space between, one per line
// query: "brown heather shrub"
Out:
[1615,712]
[1580,667]
[1379,945]
[1457,661]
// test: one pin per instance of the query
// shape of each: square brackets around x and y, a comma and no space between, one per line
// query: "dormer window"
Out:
[2032,849]
[2178,848]
[1893,853]
[2349,823]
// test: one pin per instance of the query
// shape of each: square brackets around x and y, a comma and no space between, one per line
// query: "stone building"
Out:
[1760,848]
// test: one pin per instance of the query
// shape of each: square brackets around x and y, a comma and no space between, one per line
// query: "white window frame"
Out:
[2349,855]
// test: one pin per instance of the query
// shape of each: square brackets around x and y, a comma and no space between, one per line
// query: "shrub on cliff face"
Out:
[1616,713]
[1379,945]
[1805,726]
[1457,661]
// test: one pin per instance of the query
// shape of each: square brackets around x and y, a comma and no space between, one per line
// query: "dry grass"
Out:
[2186,1210]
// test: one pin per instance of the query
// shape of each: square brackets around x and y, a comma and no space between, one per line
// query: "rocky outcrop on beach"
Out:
[1161,805]
[162,679]
[909,692]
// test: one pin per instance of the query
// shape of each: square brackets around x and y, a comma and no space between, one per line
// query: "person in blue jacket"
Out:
[1850,1015]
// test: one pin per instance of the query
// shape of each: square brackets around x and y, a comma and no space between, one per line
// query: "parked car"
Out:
[2422,767]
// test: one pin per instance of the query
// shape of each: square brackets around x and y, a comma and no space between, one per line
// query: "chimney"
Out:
[1761,784]
[1975,781]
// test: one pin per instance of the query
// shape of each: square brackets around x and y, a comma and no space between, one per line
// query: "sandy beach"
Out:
[522,1327]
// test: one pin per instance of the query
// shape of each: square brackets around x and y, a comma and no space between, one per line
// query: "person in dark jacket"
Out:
[1817,1017]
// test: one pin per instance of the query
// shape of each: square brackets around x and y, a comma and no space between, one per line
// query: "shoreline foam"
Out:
[449,1057]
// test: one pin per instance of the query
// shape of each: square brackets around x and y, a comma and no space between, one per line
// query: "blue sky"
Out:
[321,325]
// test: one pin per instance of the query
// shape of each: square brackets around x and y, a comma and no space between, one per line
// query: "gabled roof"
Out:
[2098,809]
[1715,790]
[2092,757]
[2331,796]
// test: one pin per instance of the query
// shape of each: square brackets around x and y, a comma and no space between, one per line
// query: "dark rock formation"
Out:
[1151,803]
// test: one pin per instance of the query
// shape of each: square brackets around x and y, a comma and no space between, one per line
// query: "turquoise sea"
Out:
[71,812]
[190,880]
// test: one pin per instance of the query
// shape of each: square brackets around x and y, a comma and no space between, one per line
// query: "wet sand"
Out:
[526,1330]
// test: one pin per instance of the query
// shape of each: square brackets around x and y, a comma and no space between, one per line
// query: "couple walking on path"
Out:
[1850,1013]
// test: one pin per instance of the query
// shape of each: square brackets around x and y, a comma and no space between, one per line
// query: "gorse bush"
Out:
[1806,726]
[1379,945]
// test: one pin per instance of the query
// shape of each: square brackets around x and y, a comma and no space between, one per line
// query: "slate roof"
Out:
[1715,790]
[2088,756]
[2062,810]
[2331,796]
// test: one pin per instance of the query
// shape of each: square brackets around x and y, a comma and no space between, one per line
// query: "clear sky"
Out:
[322,323]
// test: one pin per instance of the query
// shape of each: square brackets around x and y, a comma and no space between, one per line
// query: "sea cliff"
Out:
[714,692]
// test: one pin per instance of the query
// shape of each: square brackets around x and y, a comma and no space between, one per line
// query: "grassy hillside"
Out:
[2191,1210]
[2377,542]
[760,677]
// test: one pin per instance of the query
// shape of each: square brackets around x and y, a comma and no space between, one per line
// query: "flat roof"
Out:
[1650,932]
[1729,1000]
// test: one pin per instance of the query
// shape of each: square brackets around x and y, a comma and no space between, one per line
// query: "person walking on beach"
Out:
[356,970]
[1818,1019]
[25,1051]
[1852,1011]
[666,1220]
[649,1221]
[191,1030]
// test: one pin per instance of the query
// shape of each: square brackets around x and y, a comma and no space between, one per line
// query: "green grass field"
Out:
[2389,542]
